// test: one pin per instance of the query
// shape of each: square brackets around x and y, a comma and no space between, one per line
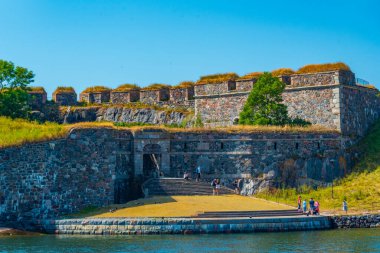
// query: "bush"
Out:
[264,104]
[298,122]
[198,121]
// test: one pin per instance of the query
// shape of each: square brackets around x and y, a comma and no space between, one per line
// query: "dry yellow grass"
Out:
[156,86]
[126,87]
[283,71]
[36,89]
[177,206]
[184,84]
[217,78]
[96,89]
[62,89]
[314,68]
[251,75]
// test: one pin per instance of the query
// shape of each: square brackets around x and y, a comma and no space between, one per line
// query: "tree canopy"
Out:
[264,104]
[14,81]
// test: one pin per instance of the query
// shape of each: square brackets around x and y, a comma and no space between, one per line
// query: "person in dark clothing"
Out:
[311,205]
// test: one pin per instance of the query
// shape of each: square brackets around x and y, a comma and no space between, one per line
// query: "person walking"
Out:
[345,206]
[213,185]
[198,173]
[311,206]
[299,201]
[217,186]
[304,206]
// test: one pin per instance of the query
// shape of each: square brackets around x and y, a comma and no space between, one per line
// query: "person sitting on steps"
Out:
[186,175]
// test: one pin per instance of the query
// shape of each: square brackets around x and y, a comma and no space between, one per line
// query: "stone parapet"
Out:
[97,97]
[338,77]
[125,97]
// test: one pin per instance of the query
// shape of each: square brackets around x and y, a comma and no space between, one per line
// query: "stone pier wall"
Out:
[120,226]
[357,221]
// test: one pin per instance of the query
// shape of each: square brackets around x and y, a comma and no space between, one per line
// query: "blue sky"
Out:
[85,43]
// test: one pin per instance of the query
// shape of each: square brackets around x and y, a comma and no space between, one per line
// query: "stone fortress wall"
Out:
[101,166]
[331,99]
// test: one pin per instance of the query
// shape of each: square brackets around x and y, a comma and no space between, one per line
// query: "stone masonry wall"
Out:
[96,167]
[316,105]
[52,178]
[293,159]
[323,78]
[124,97]
[65,98]
[360,108]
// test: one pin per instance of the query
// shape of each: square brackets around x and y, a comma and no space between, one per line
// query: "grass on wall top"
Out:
[184,84]
[63,89]
[126,87]
[156,86]
[314,68]
[217,78]
[37,89]
[19,131]
[252,75]
[96,89]
[283,71]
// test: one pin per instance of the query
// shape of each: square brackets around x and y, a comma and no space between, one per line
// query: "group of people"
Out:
[313,206]
[186,174]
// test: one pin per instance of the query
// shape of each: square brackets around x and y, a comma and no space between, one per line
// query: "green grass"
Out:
[17,132]
[361,188]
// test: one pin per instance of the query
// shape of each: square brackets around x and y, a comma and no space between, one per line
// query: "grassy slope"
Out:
[16,132]
[361,188]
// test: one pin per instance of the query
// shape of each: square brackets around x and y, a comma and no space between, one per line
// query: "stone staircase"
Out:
[179,186]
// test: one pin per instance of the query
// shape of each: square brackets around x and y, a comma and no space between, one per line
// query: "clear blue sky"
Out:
[84,43]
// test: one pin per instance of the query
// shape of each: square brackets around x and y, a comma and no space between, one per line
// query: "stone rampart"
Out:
[63,176]
[96,167]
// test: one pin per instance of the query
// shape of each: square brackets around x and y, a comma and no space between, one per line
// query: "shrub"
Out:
[96,89]
[298,122]
[283,71]
[264,104]
[217,78]
[314,68]
[126,87]
[198,121]
[252,75]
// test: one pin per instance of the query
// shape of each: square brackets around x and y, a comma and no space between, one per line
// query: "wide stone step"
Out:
[267,213]
[179,186]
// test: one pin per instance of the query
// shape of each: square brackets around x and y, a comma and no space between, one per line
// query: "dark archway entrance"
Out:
[152,160]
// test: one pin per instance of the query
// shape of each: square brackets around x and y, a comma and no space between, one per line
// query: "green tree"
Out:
[14,81]
[264,104]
